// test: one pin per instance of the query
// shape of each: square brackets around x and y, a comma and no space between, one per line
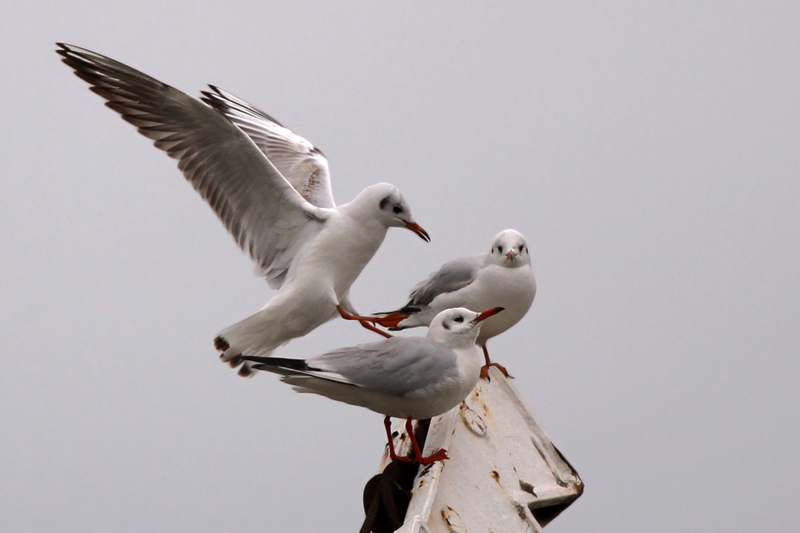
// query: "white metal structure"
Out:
[503,475]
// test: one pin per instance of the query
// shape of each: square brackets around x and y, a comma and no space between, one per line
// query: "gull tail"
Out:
[279,365]
[308,379]
[233,359]
[253,335]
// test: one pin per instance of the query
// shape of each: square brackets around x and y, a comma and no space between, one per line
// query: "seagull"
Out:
[270,188]
[401,377]
[503,277]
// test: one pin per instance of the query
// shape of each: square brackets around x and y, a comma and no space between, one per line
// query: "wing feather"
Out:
[300,162]
[397,366]
[453,275]
[267,217]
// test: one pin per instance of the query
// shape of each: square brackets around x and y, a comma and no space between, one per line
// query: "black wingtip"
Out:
[66,50]
[211,96]
[267,363]
[63,50]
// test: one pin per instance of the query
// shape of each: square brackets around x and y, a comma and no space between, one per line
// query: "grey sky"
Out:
[650,155]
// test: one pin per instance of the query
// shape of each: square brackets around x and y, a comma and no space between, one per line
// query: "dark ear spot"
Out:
[384,203]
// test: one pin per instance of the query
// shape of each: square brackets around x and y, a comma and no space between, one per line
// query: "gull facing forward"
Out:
[401,377]
[503,277]
[270,187]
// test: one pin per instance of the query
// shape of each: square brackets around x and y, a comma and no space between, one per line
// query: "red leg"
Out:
[387,423]
[438,455]
[392,320]
[363,320]
[485,368]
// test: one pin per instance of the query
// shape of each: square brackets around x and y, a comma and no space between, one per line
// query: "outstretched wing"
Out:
[267,217]
[300,162]
[453,275]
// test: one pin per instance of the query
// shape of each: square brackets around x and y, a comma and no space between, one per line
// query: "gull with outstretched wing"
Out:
[270,187]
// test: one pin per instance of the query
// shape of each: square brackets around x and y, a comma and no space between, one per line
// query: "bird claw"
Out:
[363,320]
[438,455]
[404,459]
[392,320]
[501,368]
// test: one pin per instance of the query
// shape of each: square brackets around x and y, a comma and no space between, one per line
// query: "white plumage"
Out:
[270,187]
[501,278]
[402,377]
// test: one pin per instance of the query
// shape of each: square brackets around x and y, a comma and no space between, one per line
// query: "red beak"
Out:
[416,228]
[511,254]
[489,312]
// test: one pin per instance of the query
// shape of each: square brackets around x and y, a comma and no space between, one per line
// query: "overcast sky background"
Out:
[650,155]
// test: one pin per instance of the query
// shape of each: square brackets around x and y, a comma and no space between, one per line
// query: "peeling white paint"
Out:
[502,467]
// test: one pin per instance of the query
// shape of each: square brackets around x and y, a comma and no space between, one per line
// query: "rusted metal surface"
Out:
[503,475]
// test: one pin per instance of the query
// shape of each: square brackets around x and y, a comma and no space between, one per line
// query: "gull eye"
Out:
[459,318]
[397,209]
[500,249]
[520,248]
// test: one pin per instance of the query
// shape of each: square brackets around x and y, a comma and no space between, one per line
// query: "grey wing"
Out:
[263,212]
[453,275]
[300,162]
[395,366]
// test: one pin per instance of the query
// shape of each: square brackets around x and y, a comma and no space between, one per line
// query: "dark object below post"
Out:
[386,495]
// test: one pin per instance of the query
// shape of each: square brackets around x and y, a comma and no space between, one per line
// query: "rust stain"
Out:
[453,520]
[473,420]
[521,511]
[579,486]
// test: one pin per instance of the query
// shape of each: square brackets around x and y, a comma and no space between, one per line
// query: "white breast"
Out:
[495,286]
[339,253]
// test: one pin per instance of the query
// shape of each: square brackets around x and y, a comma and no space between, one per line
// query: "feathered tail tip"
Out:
[221,344]
[391,320]
[234,361]
[246,371]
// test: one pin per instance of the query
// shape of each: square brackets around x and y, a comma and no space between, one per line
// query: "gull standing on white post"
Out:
[503,278]
[401,377]
[271,189]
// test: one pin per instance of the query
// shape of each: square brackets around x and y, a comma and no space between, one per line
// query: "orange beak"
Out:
[489,312]
[511,254]
[416,228]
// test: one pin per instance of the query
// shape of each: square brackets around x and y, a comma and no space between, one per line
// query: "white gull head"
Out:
[458,328]
[509,249]
[384,202]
